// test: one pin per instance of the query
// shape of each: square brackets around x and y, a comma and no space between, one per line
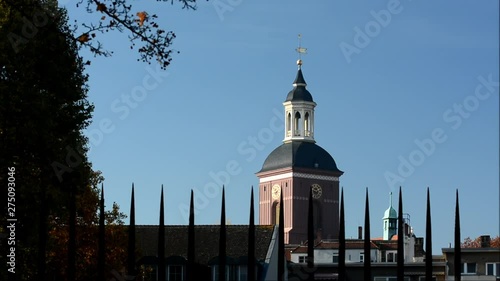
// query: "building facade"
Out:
[476,263]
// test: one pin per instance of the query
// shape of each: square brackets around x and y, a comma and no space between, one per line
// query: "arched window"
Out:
[306,125]
[288,124]
[275,213]
[297,124]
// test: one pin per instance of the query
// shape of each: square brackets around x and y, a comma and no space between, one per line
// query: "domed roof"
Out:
[299,91]
[390,213]
[299,154]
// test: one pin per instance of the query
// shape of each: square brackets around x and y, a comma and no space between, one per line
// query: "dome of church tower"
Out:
[299,154]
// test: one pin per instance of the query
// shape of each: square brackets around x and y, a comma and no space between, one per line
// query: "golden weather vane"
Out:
[300,50]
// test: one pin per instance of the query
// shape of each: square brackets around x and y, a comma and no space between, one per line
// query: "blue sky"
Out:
[406,92]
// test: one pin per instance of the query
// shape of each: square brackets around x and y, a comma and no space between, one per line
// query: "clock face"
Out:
[276,191]
[316,191]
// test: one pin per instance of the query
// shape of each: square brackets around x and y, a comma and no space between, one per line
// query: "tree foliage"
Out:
[152,42]
[43,112]
[86,238]
[476,243]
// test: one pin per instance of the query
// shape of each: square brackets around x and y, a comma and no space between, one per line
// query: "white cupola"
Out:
[299,111]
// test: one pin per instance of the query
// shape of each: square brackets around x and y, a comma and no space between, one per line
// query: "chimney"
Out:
[319,235]
[485,241]
[360,232]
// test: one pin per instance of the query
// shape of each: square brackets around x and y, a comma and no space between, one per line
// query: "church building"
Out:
[296,166]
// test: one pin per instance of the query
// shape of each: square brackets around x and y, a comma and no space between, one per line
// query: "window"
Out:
[302,259]
[493,269]
[297,124]
[147,272]
[306,124]
[175,273]
[468,268]
[361,257]
[390,257]
[390,278]
[215,272]
[335,258]
[242,273]
[422,278]
[275,213]
[288,124]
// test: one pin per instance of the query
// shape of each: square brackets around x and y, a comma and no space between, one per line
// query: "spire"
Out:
[101,256]
[458,250]
[299,107]
[251,242]
[299,79]
[341,265]
[428,239]
[367,241]
[310,237]
[131,237]
[191,241]
[390,221]
[161,242]
[281,241]
[401,238]
[390,213]
[222,239]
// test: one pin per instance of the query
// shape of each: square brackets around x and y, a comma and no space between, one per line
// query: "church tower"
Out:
[390,220]
[296,166]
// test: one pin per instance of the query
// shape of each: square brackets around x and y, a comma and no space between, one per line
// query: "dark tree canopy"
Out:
[43,112]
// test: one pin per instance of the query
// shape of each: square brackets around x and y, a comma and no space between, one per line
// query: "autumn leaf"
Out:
[103,17]
[83,38]
[101,7]
[142,17]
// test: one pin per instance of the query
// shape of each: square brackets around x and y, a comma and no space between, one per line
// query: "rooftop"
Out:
[206,241]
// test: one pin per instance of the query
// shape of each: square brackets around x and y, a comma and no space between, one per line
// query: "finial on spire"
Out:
[390,198]
[300,50]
